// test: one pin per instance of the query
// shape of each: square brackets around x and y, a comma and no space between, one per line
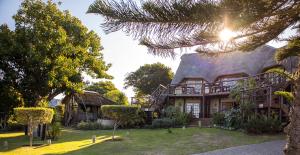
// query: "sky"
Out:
[125,54]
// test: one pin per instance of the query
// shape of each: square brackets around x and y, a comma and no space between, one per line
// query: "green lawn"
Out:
[135,141]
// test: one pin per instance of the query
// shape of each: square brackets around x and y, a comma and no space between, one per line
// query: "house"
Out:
[83,107]
[202,83]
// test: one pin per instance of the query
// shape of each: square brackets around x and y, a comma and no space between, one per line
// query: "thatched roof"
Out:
[209,68]
[89,98]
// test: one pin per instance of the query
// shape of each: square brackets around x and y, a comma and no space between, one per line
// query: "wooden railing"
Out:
[225,86]
[261,81]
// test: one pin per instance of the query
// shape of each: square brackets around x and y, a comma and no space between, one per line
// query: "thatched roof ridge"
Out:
[209,68]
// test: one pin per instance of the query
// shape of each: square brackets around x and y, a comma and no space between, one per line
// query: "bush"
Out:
[13,125]
[262,124]
[33,115]
[233,119]
[88,125]
[54,130]
[125,116]
[163,123]
[59,112]
[181,118]
[219,119]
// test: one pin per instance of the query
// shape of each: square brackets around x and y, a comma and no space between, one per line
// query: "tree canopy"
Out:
[148,77]
[46,54]
[109,90]
[101,87]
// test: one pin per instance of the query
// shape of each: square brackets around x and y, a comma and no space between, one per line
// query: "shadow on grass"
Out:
[13,141]
[70,140]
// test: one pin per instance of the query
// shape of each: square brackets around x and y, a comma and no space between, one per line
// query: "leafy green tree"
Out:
[47,53]
[117,96]
[101,87]
[165,25]
[109,90]
[148,77]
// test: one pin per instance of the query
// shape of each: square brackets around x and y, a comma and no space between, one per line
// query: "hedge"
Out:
[38,115]
[125,115]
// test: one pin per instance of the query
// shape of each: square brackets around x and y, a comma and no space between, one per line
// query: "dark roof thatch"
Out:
[209,68]
[89,98]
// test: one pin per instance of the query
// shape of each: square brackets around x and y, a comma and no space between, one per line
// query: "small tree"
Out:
[122,115]
[33,117]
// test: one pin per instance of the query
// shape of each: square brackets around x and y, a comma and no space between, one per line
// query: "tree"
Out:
[165,25]
[117,96]
[109,90]
[47,53]
[102,87]
[33,117]
[148,77]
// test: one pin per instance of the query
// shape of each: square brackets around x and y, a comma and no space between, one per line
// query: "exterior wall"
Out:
[214,105]
[226,104]
[179,102]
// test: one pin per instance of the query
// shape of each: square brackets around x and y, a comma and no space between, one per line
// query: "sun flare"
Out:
[226,34]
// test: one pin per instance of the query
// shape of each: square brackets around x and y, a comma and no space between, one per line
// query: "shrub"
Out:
[219,119]
[163,123]
[54,130]
[181,118]
[32,117]
[263,124]
[123,115]
[233,119]
[13,125]
[88,126]
[59,112]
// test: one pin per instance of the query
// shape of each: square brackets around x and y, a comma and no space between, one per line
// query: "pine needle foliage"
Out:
[165,25]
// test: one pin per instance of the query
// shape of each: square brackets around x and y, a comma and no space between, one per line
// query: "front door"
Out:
[193,108]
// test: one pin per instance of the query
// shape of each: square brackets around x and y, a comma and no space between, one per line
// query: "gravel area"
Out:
[267,148]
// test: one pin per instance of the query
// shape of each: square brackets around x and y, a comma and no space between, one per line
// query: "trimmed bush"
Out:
[88,126]
[123,115]
[33,117]
[163,123]
[219,119]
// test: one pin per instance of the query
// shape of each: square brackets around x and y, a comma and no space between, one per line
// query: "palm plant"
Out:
[165,25]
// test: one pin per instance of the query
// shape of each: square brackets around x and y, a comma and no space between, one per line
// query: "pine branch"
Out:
[163,18]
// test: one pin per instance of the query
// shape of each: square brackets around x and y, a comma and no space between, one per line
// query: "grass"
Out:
[134,141]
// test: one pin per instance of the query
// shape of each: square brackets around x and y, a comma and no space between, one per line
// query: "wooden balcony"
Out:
[224,87]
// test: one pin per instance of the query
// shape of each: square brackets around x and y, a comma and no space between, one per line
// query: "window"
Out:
[194,86]
[193,108]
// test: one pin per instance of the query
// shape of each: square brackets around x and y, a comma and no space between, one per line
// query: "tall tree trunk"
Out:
[293,129]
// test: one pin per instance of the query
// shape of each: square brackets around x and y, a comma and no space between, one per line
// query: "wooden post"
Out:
[280,110]
[203,101]
[270,101]
[219,110]
[184,105]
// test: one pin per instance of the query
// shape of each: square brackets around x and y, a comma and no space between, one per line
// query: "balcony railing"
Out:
[225,86]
